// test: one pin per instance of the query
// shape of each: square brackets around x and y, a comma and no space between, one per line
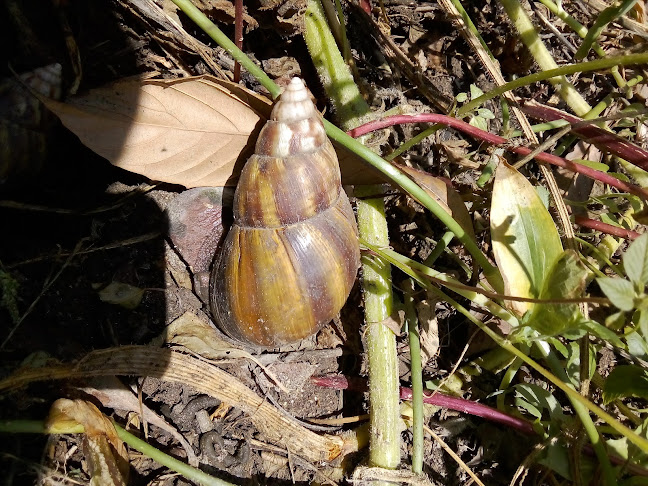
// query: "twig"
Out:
[48,283]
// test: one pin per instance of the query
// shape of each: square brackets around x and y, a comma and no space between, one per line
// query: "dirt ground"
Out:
[71,224]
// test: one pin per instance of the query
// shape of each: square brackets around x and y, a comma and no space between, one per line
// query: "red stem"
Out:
[341,382]
[497,140]
[238,35]
[606,228]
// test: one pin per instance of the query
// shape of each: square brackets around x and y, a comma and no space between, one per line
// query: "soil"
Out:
[72,224]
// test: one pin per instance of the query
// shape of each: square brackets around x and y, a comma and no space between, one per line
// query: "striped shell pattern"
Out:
[291,257]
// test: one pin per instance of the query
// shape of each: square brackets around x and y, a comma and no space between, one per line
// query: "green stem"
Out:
[581,30]
[189,472]
[598,64]
[171,462]
[350,107]
[572,394]
[508,377]
[222,40]
[605,17]
[405,146]
[384,411]
[583,414]
[441,245]
[416,371]
[415,270]
[413,189]
[542,56]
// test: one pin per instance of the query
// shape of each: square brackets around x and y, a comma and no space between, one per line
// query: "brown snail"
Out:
[291,256]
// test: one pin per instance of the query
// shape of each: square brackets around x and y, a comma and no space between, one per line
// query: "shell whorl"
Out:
[291,257]
[294,173]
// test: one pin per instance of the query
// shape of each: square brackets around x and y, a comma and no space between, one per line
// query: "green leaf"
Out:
[461,97]
[545,197]
[524,237]
[594,165]
[602,332]
[620,292]
[635,262]
[535,400]
[485,113]
[625,381]
[566,280]
[573,364]
[630,452]
[637,345]
[479,122]
[475,92]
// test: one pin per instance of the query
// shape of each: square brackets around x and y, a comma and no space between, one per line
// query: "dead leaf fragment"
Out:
[104,451]
[112,393]
[124,295]
[447,197]
[169,365]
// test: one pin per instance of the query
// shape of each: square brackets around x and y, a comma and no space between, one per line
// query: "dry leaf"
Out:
[193,132]
[169,365]
[122,294]
[428,327]
[190,331]
[103,449]
[112,393]
[445,196]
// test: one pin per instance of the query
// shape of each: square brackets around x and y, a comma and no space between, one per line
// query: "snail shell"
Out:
[291,257]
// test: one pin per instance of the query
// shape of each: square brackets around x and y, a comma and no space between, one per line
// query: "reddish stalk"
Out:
[341,382]
[238,35]
[497,140]
[588,131]
[606,228]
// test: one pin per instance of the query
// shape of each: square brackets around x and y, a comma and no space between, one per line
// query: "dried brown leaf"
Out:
[447,197]
[169,365]
[112,393]
[104,451]
[191,131]
[194,132]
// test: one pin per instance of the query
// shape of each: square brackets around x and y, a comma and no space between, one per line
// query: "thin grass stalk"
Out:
[581,30]
[441,245]
[596,65]
[416,372]
[187,471]
[572,394]
[542,56]
[583,414]
[605,17]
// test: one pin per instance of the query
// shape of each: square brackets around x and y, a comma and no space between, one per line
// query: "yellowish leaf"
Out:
[103,449]
[525,240]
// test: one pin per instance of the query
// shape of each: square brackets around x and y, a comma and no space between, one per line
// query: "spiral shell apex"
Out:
[289,262]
